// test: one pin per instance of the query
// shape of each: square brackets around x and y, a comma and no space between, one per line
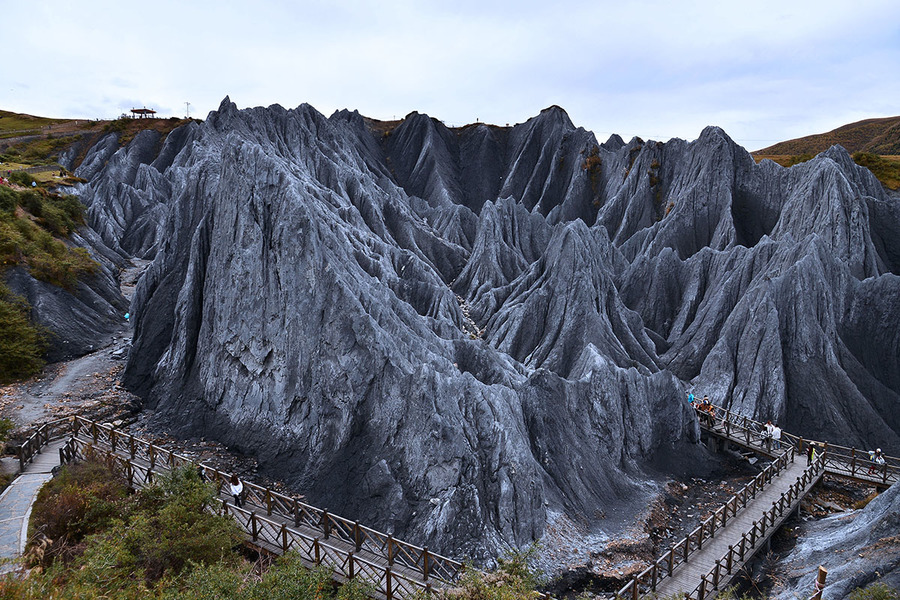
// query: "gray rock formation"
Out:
[452,334]
[857,549]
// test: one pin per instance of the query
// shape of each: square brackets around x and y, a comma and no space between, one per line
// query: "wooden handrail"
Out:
[842,460]
[651,576]
[784,504]
[274,535]
[428,563]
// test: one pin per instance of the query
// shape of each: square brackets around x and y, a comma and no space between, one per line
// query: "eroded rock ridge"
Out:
[456,335]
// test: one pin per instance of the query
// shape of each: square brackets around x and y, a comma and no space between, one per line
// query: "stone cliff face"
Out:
[455,335]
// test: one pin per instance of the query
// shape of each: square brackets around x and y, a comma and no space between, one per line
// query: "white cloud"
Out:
[764,71]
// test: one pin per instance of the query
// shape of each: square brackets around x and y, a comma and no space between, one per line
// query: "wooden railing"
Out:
[42,436]
[648,579]
[839,460]
[428,564]
[751,540]
[272,534]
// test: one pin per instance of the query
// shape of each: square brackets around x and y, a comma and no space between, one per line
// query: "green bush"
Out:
[32,241]
[22,344]
[875,591]
[21,178]
[513,579]
[83,499]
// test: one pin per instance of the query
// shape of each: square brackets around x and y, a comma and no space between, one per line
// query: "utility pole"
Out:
[187,106]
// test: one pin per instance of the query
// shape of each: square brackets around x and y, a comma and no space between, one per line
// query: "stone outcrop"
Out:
[857,548]
[452,334]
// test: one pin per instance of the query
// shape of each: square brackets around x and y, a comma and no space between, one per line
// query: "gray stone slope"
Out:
[857,548]
[452,334]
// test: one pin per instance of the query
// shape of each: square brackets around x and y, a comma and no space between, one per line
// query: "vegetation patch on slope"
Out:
[12,124]
[90,538]
[33,226]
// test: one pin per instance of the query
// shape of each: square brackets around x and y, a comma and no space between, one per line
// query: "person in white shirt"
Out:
[237,488]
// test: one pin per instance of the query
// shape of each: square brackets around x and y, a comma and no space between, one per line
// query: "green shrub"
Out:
[31,239]
[171,529]
[21,178]
[875,591]
[513,579]
[22,344]
[82,500]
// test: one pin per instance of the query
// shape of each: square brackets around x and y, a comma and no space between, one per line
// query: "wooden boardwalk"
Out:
[17,499]
[698,566]
[687,578]
[711,556]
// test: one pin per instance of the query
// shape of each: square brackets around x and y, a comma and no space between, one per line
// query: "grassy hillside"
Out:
[18,124]
[876,136]
[27,140]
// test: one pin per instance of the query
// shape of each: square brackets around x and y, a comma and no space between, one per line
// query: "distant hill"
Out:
[877,136]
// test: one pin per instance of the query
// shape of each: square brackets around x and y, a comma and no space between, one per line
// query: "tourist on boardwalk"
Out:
[776,437]
[810,453]
[877,459]
[709,410]
[237,488]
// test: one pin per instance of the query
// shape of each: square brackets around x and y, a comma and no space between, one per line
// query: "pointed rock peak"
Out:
[838,154]
[615,142]
[556,114]
[226,104]
[714,134]
[227,111]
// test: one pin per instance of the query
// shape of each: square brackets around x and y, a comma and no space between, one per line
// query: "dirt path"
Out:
[89,384]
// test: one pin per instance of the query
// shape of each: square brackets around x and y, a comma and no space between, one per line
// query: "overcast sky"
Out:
[764,71]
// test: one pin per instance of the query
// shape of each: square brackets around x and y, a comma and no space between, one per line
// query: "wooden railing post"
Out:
[326,525]
[316,551]
[388,592]
[253,528]
[268,502]
[390,550]
[296,513]
[357,536]
[701,593]
[351,573]
[425,565]
[635,591]
[131,446]
[284,539]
